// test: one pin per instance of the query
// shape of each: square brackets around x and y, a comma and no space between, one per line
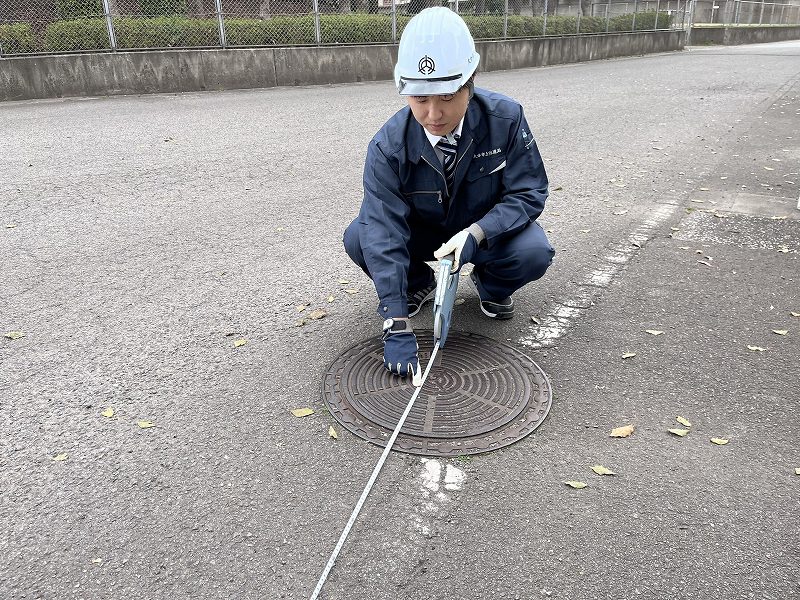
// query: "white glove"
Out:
[463,245]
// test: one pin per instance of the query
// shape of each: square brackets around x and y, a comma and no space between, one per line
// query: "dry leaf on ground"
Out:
[756,348]
[316,315]
[145,424]
[679,432]
[60,457]
[299,322]
[622,432]
[683,421]
[536,320]
[795,314]
[332,433]
[653,331]
[302,307]
[344,281]
[97,561]
[578,485]
[705,262]
[302,412]
[11,226]
[331,299]
[780,331]
[601,470]
[14,335]
[351,291]
[109,412]
[628,355]
[239,343]
[797,471]
[719,441]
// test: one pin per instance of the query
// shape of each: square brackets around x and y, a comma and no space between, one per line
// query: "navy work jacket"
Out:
[500,184]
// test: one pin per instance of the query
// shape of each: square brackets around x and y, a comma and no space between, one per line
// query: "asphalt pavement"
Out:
[142,237]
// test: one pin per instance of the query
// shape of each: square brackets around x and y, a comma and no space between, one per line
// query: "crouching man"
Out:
[456,171]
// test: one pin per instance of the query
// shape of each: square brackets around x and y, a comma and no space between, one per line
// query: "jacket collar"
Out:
[474,130]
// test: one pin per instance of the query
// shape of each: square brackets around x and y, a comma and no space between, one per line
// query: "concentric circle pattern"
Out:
[482,396]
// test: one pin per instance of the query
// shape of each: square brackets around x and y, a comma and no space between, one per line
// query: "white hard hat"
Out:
[436,54]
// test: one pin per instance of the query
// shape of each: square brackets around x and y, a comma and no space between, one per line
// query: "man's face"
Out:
[440,115]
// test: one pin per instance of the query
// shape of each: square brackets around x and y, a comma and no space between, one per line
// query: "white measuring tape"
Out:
[372,479]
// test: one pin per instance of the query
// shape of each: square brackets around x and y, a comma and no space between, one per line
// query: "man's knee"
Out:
[352,243]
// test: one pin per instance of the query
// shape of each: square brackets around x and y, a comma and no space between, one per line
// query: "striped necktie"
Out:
[449,150]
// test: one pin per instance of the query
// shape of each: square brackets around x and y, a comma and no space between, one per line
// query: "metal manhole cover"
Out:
[483,396]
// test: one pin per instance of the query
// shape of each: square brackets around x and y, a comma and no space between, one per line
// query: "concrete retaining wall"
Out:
[752,34]
[108,73]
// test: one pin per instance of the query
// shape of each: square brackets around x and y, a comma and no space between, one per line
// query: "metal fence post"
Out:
[635,8]
[394,20]
[223,42]
[781,17]
[658,7]
[505,21]
[608,16]
[457,11]
[761,14]
[317,32]
[690,9]
[579,20]
[112,37]
[544,11]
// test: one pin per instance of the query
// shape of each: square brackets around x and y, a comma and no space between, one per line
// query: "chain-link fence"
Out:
[59,26]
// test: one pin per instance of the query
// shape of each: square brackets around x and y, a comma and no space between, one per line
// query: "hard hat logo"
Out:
[426,65]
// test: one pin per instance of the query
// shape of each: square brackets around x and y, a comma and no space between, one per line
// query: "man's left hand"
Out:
[463,245]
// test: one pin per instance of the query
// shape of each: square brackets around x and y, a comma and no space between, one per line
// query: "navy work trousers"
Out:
[502,270]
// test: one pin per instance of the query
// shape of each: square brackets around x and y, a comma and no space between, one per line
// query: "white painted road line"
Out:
[556,323]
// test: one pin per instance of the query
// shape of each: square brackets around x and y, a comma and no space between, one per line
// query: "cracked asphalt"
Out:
[141,236]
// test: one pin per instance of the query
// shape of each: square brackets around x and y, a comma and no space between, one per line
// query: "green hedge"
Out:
[76,9]
[183,32]
[17,38]
[644,21]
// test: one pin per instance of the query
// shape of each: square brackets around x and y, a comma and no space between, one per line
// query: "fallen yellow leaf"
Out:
[97,561]
[622,431]
[784,249]
[145,424]
[299,322]
[109,412]
[578,485]
[332,433]
[60,457]
[780,331]
[719,441]
[684,422]
[653,331]
[11,225]
[679,432]
[302,307]
[351,291]
[628,355]
[302,412]
[318,314]
[344,281]
[601,470]
[797,471]
[331,299]
[756,348]
[14,335]
[239,343]
[459,301]
[794,314]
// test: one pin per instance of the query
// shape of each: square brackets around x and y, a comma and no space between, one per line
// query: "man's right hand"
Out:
[400,353]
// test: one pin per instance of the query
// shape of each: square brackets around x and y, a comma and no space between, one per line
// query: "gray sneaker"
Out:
[417,299]
[494,308]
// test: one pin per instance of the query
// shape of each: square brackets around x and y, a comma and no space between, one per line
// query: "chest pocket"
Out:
[485,176]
